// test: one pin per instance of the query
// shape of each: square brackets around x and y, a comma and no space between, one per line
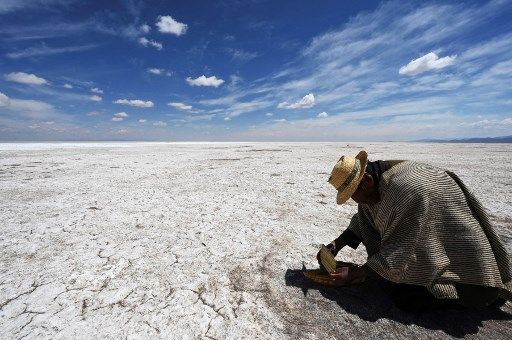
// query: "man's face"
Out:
[366,191]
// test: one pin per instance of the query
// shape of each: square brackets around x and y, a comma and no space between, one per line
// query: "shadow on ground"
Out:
[370,302]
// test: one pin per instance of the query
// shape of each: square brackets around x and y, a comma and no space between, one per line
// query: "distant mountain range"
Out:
[503,139]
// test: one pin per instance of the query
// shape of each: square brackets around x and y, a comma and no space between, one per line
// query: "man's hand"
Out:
[346,275]
[332,247]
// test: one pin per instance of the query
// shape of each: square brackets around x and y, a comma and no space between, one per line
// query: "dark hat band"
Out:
[350,178]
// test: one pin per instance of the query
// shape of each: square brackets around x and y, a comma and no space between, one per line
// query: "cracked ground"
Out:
[185,241]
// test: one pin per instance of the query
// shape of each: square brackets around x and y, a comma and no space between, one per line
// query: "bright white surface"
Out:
[193,240]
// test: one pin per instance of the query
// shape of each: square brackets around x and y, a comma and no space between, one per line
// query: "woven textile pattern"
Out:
[429,230]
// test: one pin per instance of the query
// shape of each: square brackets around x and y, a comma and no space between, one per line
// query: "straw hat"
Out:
[347,174]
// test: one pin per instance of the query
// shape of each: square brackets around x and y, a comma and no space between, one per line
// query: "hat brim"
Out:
[344,195]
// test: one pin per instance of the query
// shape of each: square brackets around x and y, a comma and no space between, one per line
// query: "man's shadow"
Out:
[371,302]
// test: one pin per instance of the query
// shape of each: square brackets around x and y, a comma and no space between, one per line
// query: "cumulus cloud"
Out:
[428,62]
[4,100]
[269,114]
[145,28]
[93,113]
[181,106]
[135,102]
[322,115]
[160,123]
[25,78]
[227,118]
[68,86]
[166,24]
[305,103]
[95,98]
[97,90]
[157,71]
[146,42]
[121,115]
[204,81]
[142,120]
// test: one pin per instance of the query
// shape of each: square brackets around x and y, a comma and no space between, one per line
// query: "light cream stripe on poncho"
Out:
[429,230]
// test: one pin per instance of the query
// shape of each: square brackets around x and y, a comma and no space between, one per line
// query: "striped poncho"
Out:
[429,230]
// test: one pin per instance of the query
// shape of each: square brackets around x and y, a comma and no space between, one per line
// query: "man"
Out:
[424,232]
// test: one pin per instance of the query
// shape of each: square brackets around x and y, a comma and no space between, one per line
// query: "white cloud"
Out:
[227,118]
[269,114]
[507,121]
[322,115]
[243,55]
[239,108]
[305,103]
[160,123]
[166,24]
[235,80]
[135,102]
[35,109]
[93,113]
[204,81]
[494,75]
[4,100]
[146,42]
[489,123]
[44,50]
[280,120]
[25,78]
[191,118]
[157,71]
[121,115]
[122,132]
[97,90]
[95,98]
[117,119]
[181,106]
[145,28]
[68,86]
[142,120]
[428,62]
[30,105]
[7,6]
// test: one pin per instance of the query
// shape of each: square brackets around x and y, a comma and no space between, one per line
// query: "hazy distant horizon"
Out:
[463,139]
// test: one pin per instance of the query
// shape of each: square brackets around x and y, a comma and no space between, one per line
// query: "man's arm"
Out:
[347,238]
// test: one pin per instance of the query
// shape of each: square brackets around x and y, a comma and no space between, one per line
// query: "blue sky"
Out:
[254,70]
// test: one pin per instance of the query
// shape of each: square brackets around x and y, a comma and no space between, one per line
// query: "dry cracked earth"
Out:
[186,241]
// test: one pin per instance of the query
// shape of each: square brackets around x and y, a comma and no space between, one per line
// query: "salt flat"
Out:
[201,241]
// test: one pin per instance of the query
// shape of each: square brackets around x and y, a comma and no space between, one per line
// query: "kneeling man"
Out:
[424,232]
